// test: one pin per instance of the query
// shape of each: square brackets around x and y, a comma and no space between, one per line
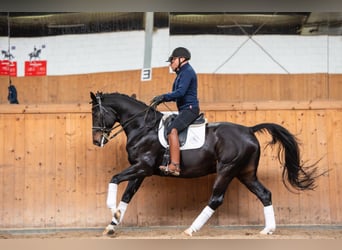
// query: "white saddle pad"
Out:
[195,138]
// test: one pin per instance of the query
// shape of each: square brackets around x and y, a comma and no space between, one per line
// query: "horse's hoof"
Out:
[109,230]
[267,231]
[188,232]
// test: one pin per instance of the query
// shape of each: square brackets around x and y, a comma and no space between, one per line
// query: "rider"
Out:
[12,94]
[184,93]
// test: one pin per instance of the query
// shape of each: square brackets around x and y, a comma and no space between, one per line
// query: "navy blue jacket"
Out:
[12,95]
[184,89]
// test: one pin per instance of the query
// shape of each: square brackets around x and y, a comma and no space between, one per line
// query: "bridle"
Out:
[105,130]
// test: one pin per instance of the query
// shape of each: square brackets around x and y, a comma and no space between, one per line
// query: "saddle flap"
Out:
[200,119]
[190,138]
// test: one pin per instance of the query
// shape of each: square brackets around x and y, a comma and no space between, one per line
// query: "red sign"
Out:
[8,68]
[35,68]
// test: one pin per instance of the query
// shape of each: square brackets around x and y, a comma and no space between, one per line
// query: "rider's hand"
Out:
[157,100]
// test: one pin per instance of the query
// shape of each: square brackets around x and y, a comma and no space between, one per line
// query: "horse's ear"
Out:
[134,96]
[92,96]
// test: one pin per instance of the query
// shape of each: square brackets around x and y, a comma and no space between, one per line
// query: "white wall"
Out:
[119,51]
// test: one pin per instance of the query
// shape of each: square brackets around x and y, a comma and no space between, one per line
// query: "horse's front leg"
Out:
[135,176]
[119,211]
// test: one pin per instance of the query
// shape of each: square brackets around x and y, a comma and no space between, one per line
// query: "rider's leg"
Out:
[182,121]
[174,150]
[173,167]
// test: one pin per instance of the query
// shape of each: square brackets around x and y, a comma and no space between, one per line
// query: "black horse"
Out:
[230,150]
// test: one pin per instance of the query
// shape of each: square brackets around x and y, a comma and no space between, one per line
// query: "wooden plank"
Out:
[335,86]
[19,172]
[61,168]
[50,151]
[212,87]
[80,169]
[92,190]
[34,212]
[323,211]
[50,170]
[308,136]
[2,166]
[335,161]
[155,202]
[70,215]
[221,106]
[45,108]
[8,169]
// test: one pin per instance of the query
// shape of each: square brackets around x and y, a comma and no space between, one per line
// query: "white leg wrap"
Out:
[122,207]
[270,224]
[111,197]
[204,216]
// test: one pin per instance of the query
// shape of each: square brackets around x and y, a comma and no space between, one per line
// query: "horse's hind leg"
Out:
[250,180]
[220,186]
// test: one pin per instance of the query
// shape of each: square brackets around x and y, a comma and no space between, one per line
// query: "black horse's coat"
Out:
[230,150]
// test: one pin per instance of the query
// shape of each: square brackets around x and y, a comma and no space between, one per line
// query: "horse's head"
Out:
[104,118]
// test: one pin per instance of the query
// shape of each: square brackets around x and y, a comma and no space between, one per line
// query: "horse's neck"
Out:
[122,110]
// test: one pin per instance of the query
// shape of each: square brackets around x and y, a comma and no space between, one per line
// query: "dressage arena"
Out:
[238,232]
[54,181]
[56,178]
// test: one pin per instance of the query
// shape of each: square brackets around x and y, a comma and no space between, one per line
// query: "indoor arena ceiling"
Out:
[22,24]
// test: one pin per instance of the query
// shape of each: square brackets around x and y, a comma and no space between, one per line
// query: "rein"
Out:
[124,124]
[106,131]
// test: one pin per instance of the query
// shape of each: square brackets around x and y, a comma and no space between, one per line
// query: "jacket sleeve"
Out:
[182,86]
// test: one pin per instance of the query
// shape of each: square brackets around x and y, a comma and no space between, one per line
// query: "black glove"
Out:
[157,100]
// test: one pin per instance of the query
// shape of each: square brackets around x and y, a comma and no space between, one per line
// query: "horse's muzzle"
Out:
[99,139]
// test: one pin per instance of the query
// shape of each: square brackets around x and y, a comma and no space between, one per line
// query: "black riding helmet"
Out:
[180,52]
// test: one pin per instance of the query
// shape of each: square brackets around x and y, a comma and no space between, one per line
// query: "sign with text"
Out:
[35,68]
[8,68]
[146,74]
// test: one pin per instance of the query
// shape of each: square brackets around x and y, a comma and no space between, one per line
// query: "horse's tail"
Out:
[300,177]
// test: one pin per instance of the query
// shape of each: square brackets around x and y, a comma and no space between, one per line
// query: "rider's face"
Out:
[176,62]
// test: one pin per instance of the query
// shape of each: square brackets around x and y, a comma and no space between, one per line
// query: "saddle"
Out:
[190,138]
